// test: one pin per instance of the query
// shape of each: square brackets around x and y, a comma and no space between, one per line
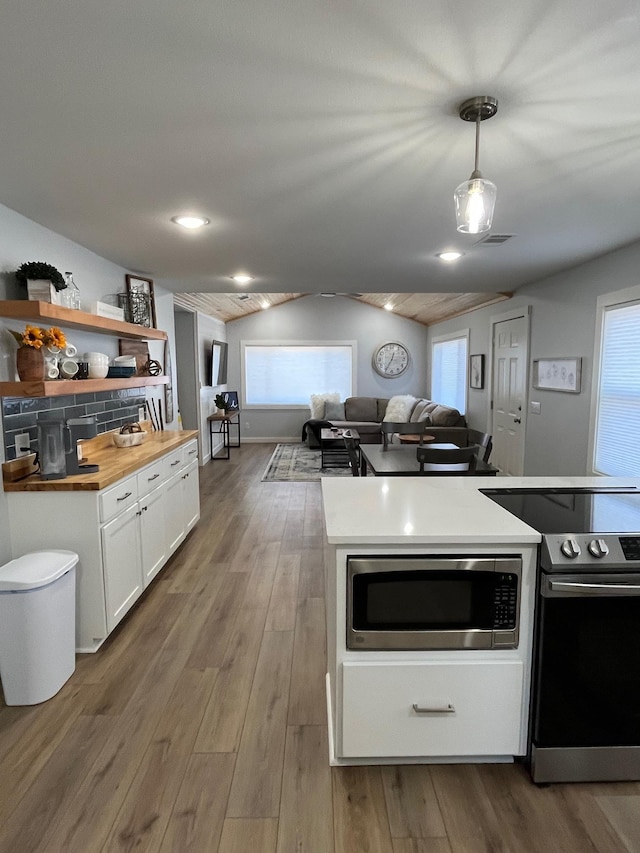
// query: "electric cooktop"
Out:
[594,529]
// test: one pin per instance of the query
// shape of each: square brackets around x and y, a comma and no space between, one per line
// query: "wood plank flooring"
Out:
[200,725]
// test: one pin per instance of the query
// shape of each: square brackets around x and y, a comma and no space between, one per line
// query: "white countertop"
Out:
[430,510]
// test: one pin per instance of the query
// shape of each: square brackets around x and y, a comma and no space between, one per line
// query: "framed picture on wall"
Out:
[557,374]
[476,371]
[140,301]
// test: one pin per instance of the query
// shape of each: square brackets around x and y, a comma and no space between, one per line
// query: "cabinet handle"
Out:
[139,512]
[151,479]
[191,452]
[177,462]
[440,708]
[125,496]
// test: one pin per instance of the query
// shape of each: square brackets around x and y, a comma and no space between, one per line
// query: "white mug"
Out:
[70,350]
[52,370]
[68,368]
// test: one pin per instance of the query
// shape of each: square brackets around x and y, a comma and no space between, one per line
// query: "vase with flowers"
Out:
[29,356]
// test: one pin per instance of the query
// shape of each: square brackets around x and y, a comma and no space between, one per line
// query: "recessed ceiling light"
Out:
[242,278]
[388,307]
[265,305]
[449,256]
[190,221]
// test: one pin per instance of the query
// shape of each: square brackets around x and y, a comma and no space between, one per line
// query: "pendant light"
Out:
[476,198]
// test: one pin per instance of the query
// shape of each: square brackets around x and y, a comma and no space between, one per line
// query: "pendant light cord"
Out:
[477,142]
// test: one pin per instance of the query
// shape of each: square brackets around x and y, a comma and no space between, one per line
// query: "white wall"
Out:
[563,317]
[23,240]
[320,319]
[194,334]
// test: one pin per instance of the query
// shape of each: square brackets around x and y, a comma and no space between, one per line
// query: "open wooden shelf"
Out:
[61,387]
[25,309]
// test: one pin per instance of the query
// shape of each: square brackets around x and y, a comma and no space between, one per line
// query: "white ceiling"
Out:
[321,137]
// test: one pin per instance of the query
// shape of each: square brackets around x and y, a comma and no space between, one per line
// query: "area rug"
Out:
[298,463]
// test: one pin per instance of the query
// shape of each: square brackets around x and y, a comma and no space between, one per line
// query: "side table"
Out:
[224,424]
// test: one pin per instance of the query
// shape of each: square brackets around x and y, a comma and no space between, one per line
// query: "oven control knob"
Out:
[598,548]
[570,549]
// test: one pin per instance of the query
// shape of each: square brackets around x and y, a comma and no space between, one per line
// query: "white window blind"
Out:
[617,450]
[287,375]
[449,372]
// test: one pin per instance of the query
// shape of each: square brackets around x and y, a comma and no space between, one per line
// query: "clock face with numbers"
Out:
[391,359]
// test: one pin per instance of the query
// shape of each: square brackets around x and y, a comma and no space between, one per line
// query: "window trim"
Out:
[452,336]
[282,407]
[618,298]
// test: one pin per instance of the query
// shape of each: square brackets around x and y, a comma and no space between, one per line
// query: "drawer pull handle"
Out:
[177,462]
[443,708]
[151,479]
[191,452]
[125,496]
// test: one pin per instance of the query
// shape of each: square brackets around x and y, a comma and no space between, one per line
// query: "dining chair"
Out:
[354,456]
[440,456]
[483,439]
[391,428]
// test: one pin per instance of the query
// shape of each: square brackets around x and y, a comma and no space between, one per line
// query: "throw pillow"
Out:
[419,410]
[399,408]
[317,403]
[334,411]
[445,416]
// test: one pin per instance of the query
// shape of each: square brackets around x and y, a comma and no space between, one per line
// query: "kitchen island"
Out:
[431,703]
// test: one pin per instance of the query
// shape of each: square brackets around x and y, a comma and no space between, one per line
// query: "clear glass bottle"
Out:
[72,294]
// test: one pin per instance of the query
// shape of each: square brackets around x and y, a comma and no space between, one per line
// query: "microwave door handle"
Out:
[435,708]
[595,588]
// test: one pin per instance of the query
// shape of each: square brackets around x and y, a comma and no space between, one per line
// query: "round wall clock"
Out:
[391,359]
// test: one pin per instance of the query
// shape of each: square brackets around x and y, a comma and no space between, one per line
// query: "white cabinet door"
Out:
[153,539]
[121,559]
[174,512]
[191,500]
[470,708]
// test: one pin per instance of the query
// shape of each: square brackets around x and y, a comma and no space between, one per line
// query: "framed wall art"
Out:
[557,374]
[140,305]
[476,371]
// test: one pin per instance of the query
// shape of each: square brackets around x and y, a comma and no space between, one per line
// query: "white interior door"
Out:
[509,393]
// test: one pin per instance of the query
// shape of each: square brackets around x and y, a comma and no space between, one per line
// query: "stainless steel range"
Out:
[585,708]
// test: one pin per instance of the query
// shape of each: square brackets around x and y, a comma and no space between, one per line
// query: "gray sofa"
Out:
[365,414]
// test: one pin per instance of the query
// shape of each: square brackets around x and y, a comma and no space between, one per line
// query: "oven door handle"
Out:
[594,588]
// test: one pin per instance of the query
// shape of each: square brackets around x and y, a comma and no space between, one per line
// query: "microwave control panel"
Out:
[505,602]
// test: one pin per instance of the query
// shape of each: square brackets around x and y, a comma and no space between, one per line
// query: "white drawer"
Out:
[118,498]
[475,709]
[150,477]
[190,451]
[173,462]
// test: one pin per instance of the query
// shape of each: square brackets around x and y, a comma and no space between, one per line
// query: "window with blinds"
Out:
[449,371]
[277,374]
[617,449]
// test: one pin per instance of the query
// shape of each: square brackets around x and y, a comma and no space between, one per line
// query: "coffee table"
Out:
[333,452]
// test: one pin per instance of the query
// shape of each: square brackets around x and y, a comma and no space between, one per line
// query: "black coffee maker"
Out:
[76,430]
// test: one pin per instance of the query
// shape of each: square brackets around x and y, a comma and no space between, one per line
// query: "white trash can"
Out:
[37,625]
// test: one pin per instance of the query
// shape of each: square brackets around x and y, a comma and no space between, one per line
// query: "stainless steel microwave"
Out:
[433,602]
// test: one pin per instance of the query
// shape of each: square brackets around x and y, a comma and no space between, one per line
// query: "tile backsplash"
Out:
[111,408]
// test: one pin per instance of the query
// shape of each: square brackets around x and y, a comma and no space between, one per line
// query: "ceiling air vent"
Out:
[243,296]
[493,239]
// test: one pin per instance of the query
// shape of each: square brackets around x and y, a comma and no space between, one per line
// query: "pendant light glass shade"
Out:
[475,199]
[475,202]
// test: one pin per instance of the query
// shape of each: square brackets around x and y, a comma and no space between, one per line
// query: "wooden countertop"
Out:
[115,462]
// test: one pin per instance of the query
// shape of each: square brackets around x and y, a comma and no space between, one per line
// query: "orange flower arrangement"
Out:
[35,337]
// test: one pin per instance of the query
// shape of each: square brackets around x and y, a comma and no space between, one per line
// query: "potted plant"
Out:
[221,403]
[43,281]
[29,356]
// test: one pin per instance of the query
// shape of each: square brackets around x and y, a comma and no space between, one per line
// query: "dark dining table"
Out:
[401,461]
